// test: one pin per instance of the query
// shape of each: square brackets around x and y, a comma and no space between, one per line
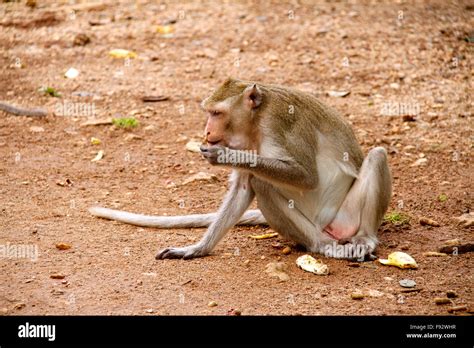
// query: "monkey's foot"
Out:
[188,252]
[355,249]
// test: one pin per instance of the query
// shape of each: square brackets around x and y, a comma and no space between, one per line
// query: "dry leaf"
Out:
[339,94]
[121,53]
[99,156]
[264,236]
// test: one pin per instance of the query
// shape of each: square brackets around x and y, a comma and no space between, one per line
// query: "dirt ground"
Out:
[410,58]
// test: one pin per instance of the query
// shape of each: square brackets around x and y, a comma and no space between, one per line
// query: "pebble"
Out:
[286,251]
[57,276]
[442,301]
[357,296]
[212,304]
[354,264]
[407,283]
[19,305]
[246,262]
[451,294]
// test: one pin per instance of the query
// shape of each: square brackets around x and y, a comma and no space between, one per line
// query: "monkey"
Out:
[304,167]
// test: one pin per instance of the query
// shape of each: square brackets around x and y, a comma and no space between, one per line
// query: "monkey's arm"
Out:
[235,203]
[284,171]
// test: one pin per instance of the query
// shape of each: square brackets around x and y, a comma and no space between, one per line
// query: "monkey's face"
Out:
[231,116]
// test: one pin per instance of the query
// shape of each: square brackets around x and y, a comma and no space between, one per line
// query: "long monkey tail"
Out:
[250,217]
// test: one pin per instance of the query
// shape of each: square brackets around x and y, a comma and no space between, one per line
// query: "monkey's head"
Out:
[233,114]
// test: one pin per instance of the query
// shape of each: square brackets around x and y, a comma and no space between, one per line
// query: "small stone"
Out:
[442,301]
[3,311]
[451,294]
[286,251]
[394,85]
[131,136]
[357,296]
[234,312]
[246,262]
[81,40]
[420,162]
[57,276]
[353,264]
[262,257]
[36,129]
[424,221]
[19,305]
[212,304]
[389,279]
[63,246]
[407,283]
[149,310]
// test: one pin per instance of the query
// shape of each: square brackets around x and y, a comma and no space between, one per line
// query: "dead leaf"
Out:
[99,156]
[36,129]
[424,221]
[121,53]
[339,94]
[154,98]
[264,236]
[433,253]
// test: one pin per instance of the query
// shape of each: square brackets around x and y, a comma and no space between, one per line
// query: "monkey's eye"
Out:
[215,113]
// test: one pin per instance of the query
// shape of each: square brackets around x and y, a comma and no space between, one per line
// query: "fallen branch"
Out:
[21,111]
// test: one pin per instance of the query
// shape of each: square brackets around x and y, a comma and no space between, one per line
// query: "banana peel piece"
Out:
[121,53]
[400,260]
[310,264]
[264,236]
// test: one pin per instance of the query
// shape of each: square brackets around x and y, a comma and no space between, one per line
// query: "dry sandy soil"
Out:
[417,55]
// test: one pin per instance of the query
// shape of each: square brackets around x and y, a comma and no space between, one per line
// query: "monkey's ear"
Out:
[253,96]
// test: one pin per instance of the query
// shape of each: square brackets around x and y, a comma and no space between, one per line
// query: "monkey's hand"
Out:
[188,252]
[215,154]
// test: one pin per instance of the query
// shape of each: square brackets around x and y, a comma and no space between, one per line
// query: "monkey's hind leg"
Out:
[362,211]
[288,221]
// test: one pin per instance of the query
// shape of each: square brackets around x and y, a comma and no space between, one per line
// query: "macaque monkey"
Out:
[301,161]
